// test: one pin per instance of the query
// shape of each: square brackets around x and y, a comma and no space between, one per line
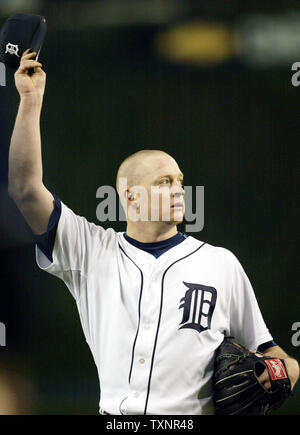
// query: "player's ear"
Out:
[129,196]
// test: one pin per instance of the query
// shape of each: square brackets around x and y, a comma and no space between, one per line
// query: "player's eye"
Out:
[164,181]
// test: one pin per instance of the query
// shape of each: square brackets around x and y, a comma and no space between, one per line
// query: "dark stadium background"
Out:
[231,124]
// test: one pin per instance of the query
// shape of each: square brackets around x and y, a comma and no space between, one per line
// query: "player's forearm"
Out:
[276,352]
[25,159]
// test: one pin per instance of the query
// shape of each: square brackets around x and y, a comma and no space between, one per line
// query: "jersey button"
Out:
[141,361]
[136,394]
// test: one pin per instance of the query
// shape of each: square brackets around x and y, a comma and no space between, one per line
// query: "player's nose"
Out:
[177,194]
[177,190]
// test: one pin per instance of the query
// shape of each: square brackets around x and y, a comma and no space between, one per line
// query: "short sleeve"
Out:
[246,321]
[45,242]
[75,243]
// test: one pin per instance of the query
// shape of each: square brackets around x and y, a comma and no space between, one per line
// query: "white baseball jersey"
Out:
[153,324]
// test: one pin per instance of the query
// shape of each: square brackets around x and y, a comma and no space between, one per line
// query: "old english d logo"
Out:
[198,306]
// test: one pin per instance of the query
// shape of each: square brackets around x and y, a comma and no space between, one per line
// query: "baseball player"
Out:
[154,303]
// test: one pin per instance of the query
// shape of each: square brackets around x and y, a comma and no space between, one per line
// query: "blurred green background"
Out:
[210,83]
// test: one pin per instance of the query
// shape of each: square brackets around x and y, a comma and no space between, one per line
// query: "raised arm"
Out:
[25,174]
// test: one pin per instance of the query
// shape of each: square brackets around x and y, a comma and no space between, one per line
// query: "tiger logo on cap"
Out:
[12,49]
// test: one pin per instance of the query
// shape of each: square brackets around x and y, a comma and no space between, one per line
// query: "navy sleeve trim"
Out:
[45,241]
[264,346]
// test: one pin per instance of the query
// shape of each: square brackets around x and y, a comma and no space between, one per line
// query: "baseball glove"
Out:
[237,390]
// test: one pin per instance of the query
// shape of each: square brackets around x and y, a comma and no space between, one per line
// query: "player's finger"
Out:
[264,377]
[267,385]
[28,55]
[28,64]
[38,70]
[25,52]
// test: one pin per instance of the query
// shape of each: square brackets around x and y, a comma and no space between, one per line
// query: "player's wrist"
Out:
[292,367]
[31,100]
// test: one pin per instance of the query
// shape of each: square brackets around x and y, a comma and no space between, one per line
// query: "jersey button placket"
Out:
[144,344]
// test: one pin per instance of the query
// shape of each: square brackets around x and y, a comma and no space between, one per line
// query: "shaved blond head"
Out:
[134,167]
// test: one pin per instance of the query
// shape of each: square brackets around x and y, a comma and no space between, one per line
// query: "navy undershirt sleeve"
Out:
[264,346]
[45,241]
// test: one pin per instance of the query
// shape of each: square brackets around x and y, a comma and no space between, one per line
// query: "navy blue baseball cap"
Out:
[18,33]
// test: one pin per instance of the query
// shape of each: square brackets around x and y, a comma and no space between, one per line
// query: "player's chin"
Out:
[175,218]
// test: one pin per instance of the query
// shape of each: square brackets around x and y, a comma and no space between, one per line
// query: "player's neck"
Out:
[151,233]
